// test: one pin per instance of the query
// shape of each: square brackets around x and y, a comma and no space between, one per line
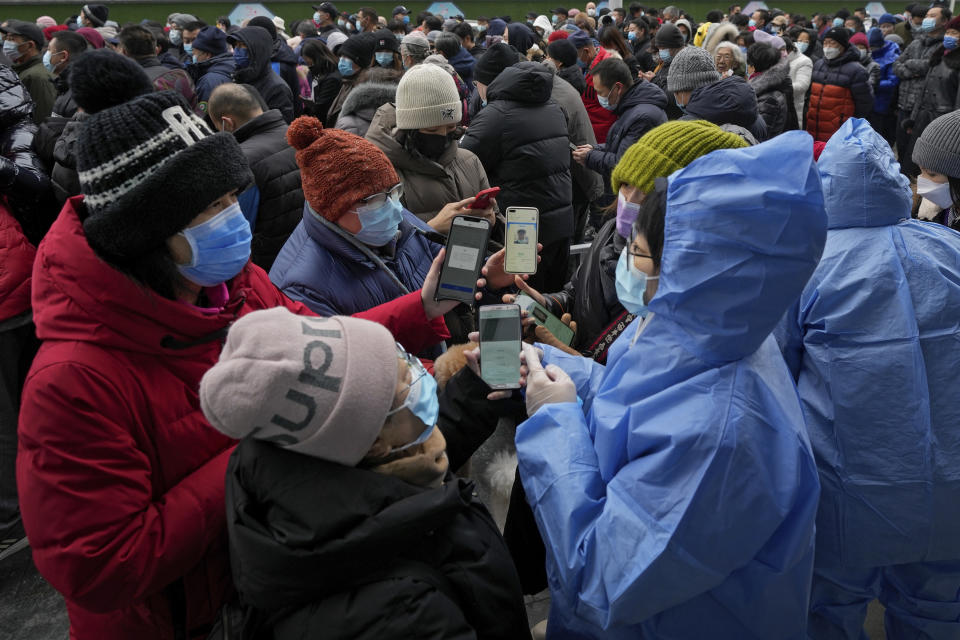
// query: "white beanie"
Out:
[319,386]
[427,97]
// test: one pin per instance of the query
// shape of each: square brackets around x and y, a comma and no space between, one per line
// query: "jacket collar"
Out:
[330,236]
[266,121]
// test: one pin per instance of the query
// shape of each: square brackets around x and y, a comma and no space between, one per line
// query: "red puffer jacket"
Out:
[16,263]
[121,478]
[601,119]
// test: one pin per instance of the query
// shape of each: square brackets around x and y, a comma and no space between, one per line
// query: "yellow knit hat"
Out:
[669,147]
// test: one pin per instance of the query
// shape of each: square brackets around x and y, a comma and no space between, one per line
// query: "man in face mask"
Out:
[63,49]
[325,17]
[22,43]
[211,63]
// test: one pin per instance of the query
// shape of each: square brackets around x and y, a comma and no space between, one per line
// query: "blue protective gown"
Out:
[679,501]
[874,343]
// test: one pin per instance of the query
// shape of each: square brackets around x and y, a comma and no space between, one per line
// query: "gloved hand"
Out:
[545,386]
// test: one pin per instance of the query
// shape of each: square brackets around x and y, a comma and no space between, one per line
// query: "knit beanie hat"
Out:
[559,34]
[938,147]
[496,27]
[840,34]
[668,37]
[359,48]
[101,79]
[875,38]
[211,40]
[92,36]
[563,52]
[46,21]
[415,44]
[859,39]
[96,13]
[887,19]
[337,168]
[427,97]
[386,41]
[669,147]
[318,386]
[496,59]
[953,25]
[691,69]
[147,168]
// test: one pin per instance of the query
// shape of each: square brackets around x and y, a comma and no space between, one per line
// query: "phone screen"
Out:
[544,318]
[500,346]
[461,267]
[521,240]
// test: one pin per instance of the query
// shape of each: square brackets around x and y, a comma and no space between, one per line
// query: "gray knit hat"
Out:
[668,37]
[691,69]
[427,97]
[938,147]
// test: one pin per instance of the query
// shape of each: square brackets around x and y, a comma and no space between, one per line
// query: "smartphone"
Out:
[466,244]
[521,240]
[573,147]
[544,318]
[484,198]
[500,345]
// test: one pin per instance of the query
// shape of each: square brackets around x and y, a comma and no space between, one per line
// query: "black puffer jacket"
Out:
[259,74]
[23,180]
[64,106]
[65,181]
[274,165]
[574,76]
[324,550]
[521,139]
[774,91]
[912,67]
[727,101]
[284,63]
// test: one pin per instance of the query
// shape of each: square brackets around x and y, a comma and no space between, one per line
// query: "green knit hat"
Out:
[669,147]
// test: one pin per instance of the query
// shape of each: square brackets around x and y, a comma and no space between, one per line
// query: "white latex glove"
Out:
[545,386]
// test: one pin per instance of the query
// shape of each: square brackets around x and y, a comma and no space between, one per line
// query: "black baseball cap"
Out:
[28,30]
[400,9]
[532,14]
[327,7]
[559,10]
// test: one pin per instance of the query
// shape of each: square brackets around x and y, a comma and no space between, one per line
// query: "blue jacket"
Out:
[210,74]
[679,501]
[875,346]
[729,101]
[463,64]
[885,56]
[328,274]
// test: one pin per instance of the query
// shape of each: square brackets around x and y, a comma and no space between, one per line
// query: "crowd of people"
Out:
[232,406]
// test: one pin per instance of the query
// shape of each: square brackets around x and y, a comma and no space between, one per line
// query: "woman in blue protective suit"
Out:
[675,488]
[874,345]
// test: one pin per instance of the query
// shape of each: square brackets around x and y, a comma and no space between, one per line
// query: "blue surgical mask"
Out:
[220,247]
[241,58]
[752,23]
[379,226]
[928,24]
[631,284]
[175,37]
[605,102]
[195,59]
[384,58]
[341,22]
[49,65]
[406,19]
[802,46]
[665,55]
[949,43]
[11,50]
[345,67]
[838,22]
[422,401]
[682,107]
[743,50]
[632,36]
[555,19]
[188,48]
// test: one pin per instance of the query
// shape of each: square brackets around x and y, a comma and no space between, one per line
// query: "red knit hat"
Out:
[337,168]
[559,34]
[49,31]
[859,38]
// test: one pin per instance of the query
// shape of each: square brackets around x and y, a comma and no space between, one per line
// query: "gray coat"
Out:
[911,67]
[362,103]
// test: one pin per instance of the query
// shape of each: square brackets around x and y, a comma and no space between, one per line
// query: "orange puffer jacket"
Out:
[840,90]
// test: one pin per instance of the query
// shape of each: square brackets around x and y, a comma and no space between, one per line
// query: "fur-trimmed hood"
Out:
[368,96]
[772,79]
[724,31]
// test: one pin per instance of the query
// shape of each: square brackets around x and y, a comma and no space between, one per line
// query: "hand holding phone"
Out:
[560,330]
[484,198]
[521,240]
[500,346]
[548,385]
[466,244]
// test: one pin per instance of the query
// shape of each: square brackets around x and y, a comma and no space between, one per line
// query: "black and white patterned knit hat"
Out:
[147,168]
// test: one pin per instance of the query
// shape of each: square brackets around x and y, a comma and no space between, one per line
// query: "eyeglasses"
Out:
[417,371]
[379,199]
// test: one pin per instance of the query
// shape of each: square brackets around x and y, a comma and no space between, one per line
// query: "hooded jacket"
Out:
[276,175]
[120,475]
[271,87]
[886,56]
[912,66]
[840,90]
[640,109]
[463,63]
[940,92]
[801,74]
[728,101]
[361,105]
[521,139]
[574,76]
[16,256]
[428,185]
[679,500]
[872,341]
[283,61]
[774,91]
[210,74]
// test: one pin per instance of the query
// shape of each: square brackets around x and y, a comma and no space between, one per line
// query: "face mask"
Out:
[555,19]
[241,57]
[379,226]
[936,192]
[632,36]
[422,401]
[864,55]
[665,55]
[406,19]
[743,50]
[682,107]
[949,43]
[591,12]
[11,50]
[345,67]
[837,22]
[631,284]
[46,61]
[752,23]
[928,24]
[830,52]
[175,37]
[384,58]
[220,247]
[627,213]
[802,46]
[605,102]
[188,48]
[481,28]
[430,145]
[342,23]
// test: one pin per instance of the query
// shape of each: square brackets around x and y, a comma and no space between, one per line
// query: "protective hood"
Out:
[260,45]
[524,82]
[368,96]
[737,252]
[862,183]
